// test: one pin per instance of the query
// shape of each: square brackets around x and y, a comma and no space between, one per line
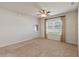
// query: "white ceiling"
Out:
[33,7]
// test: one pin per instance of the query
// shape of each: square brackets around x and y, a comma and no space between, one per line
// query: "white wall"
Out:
[42,28]
[78,29]
[16,28]
[71,27]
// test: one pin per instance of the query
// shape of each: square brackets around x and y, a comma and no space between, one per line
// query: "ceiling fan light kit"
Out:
[43,15]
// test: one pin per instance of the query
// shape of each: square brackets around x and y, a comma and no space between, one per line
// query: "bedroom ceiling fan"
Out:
[41,11]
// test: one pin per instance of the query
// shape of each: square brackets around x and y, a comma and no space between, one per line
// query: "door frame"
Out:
[63,36]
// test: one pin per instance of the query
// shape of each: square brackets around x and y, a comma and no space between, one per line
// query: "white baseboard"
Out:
[16,42]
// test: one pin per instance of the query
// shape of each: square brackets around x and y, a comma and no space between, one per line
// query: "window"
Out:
[54,25]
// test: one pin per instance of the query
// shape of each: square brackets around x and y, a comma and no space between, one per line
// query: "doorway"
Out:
[55,29]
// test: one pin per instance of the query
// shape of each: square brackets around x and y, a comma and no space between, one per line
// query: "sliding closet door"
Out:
[54,28]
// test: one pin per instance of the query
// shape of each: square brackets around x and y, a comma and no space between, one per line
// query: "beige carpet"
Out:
[39,48]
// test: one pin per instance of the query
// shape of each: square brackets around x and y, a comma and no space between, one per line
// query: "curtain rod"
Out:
[55,17]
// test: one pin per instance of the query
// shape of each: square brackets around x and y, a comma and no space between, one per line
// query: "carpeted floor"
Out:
[39,48]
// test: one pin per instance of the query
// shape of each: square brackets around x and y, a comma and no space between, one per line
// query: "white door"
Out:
[54,29]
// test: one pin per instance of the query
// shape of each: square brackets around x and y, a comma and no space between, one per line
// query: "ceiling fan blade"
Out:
[48,12]
[41,11]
